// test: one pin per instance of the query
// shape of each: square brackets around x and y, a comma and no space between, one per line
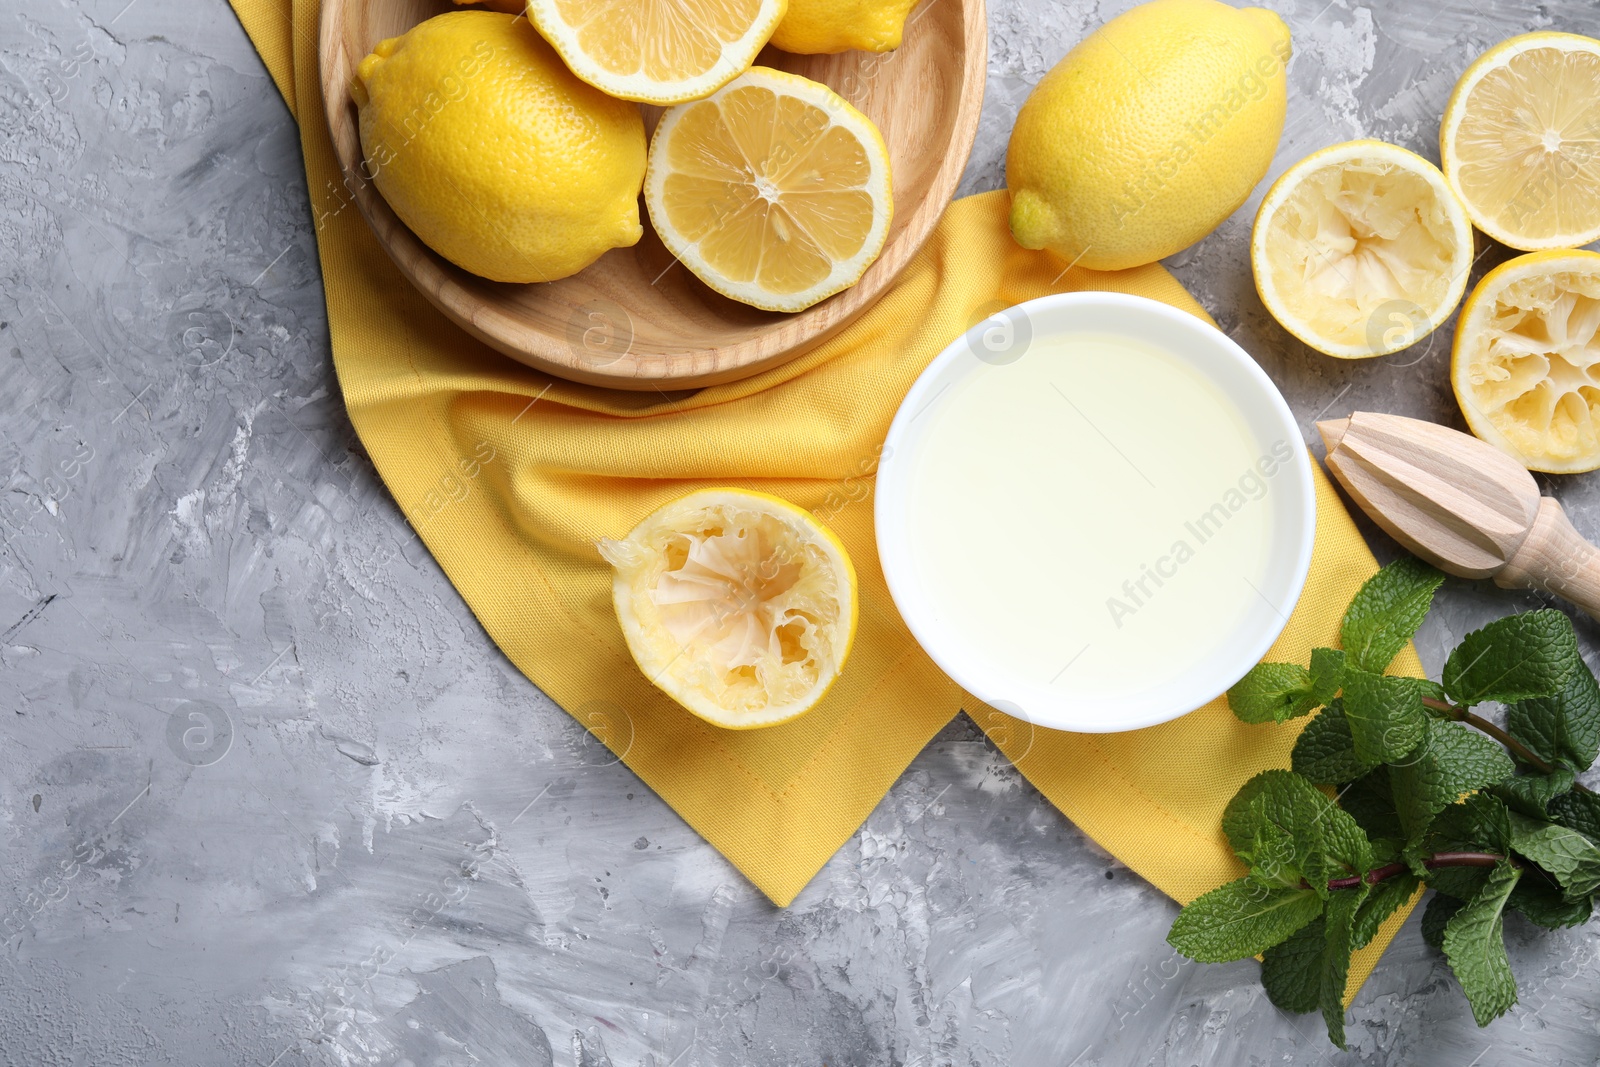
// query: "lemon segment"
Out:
[814,27]
[657,51]
[774,191]
[1520,141]
[738,605]
[1149,133]
[1361,249]
[1526,361]
[495,156]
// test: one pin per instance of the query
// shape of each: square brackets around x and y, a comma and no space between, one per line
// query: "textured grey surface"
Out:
[380,844]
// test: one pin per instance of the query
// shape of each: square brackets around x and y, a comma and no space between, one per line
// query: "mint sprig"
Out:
[1430,794]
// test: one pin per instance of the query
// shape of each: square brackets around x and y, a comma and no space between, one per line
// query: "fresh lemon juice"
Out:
[1091,517]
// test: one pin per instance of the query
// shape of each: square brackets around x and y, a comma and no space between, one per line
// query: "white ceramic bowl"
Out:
[1291,523]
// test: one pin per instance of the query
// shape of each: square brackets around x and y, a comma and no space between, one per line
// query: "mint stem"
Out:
[1438,859]
[1515,747]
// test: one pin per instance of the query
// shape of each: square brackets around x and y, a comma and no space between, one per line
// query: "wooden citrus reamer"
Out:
[1462,505]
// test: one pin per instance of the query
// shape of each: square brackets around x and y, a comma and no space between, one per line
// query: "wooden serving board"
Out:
[636,319]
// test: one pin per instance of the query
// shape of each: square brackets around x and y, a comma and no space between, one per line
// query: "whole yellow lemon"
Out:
[1149,133]
[494,153]
[812,27]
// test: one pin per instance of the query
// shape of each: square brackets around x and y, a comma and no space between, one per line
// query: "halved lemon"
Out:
[1520,141]
[1526,363]
[657,51]
[738,605]
[774,191]
[1361,249]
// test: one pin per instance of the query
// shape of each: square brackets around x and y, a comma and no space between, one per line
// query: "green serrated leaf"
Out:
[1569,857]
[1383,901]
[1478,824]
[1370,801]
[1238,821]
[1325,752]
[1273,855]
[1546,905]
[1531,794]
[1451,760]
[1474,943]
[1338,944]
[1327,674]
[1581,811]
[1239,919]
[1279,804]
[1436,916]
[1385,714]
[1519,657]
[1386,612]
[1563,728]
[1292,970]
[1272,692]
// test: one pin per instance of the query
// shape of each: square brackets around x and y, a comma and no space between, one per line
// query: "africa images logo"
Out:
[1250,488]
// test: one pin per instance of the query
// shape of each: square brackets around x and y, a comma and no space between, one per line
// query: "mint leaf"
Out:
[1338,922]
[1436,916]
[1385,714]
[1239,919]
[1519,657]
[1384,900]
[1563,728]
[1569,857]
[1581,811]
[1386,612]
[1279,806]
[1370,802]
[1474,943]
[1545,905]
[1325,752]
[1531,794]
[1238,821]
[1477,824]
[1327,673]
[1291,971]
[1273,856]
[1272,692]
[1450,761]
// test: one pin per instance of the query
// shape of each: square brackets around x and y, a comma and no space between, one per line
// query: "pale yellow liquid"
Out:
[1041,486]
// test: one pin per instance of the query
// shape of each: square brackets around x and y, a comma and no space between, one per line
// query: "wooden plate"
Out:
[636,319]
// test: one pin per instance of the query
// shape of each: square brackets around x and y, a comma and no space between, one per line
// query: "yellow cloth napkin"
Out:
[510,477]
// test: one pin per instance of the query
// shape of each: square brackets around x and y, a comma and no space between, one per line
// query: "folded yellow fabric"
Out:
[510,477]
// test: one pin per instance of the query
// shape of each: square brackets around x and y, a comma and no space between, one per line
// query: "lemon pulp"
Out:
[1361,249]
[774,191]
[1520,141]
[1526,365]
[657,51]
[738,605]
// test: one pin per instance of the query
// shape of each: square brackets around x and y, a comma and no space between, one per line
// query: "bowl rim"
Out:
[893,529]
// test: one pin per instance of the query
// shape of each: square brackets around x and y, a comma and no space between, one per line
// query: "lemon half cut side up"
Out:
[774,192]
[1526,361]
[1520,141]
[738,605]
[1361,249]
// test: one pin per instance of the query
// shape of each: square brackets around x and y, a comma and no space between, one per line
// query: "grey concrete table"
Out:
[245,768]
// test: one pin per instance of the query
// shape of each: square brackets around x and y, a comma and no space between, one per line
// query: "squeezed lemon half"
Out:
[1520,141]
[1361,249]
[657,51]
[1526,363]
[738,605]
[774,191]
